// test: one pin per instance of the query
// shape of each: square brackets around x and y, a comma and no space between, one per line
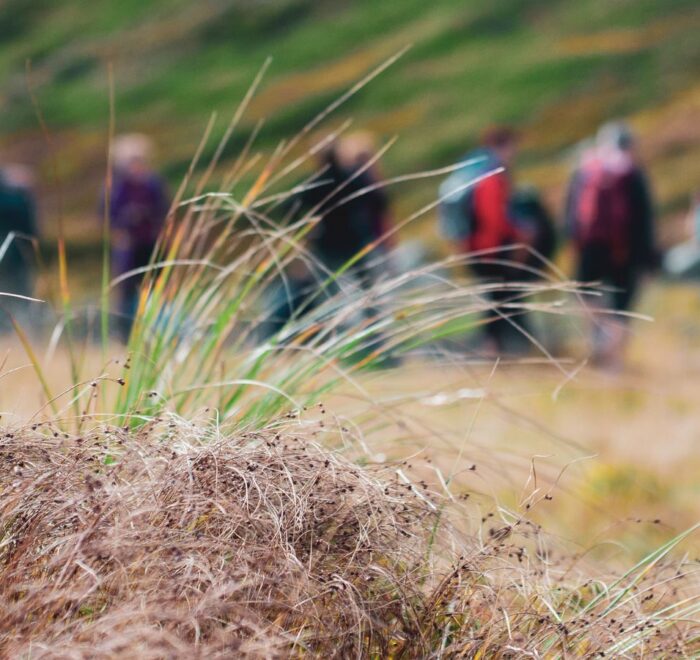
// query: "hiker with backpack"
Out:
[609,217]
[531,214]
[476,215]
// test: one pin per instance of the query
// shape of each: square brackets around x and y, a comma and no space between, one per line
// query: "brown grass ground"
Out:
[183,540]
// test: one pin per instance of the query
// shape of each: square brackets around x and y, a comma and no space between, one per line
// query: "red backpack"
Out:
[603,208]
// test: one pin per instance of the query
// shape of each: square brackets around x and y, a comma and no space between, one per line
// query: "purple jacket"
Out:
[138,208]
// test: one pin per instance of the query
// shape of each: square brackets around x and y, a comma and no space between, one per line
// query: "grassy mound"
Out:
[176,540]
[116,541]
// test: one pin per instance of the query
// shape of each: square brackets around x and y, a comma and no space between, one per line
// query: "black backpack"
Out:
[528,211]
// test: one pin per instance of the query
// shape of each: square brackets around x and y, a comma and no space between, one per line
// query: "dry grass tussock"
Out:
[180,540]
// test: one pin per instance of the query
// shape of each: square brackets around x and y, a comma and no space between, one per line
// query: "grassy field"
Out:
[588,475]
[621,448]
[444,506]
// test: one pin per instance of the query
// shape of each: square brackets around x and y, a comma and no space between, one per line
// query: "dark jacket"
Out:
[17,214]
[345,226]
[639,242]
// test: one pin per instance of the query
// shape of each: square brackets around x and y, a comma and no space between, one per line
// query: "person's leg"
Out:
[505,324]
[518,325]
[128,303]
[366,276]
[594,268]
[498,329]
[16,277]
[611,329]
[501,327]
[625,281]
[302,291]
[130,289]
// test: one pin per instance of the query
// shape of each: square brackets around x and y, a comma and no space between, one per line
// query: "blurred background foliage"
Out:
[555,68]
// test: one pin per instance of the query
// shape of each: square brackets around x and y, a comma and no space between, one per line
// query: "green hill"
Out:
[556,68]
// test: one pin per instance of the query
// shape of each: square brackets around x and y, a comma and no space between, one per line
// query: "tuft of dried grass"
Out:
[173,542]
[179,540]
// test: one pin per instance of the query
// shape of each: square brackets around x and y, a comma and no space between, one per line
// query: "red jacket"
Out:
[494,227]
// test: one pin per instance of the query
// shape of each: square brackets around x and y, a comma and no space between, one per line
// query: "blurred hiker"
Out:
[357,154]
[352,215]
[476,214]
[18,228]
[610,219]
[138,206]
[682,261]
[352,212]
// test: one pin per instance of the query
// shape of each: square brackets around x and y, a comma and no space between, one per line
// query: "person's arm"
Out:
[118,233]
[382,217]
[163,202]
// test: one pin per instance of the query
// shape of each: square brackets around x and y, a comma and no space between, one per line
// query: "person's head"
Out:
[132,155]
[503,141]
[356,149]
[18,176]
[615,136]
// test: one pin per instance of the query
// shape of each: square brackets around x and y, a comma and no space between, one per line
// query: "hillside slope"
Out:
[557,68]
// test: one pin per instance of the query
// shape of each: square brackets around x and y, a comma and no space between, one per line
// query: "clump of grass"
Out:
[180,540]
[187,540]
